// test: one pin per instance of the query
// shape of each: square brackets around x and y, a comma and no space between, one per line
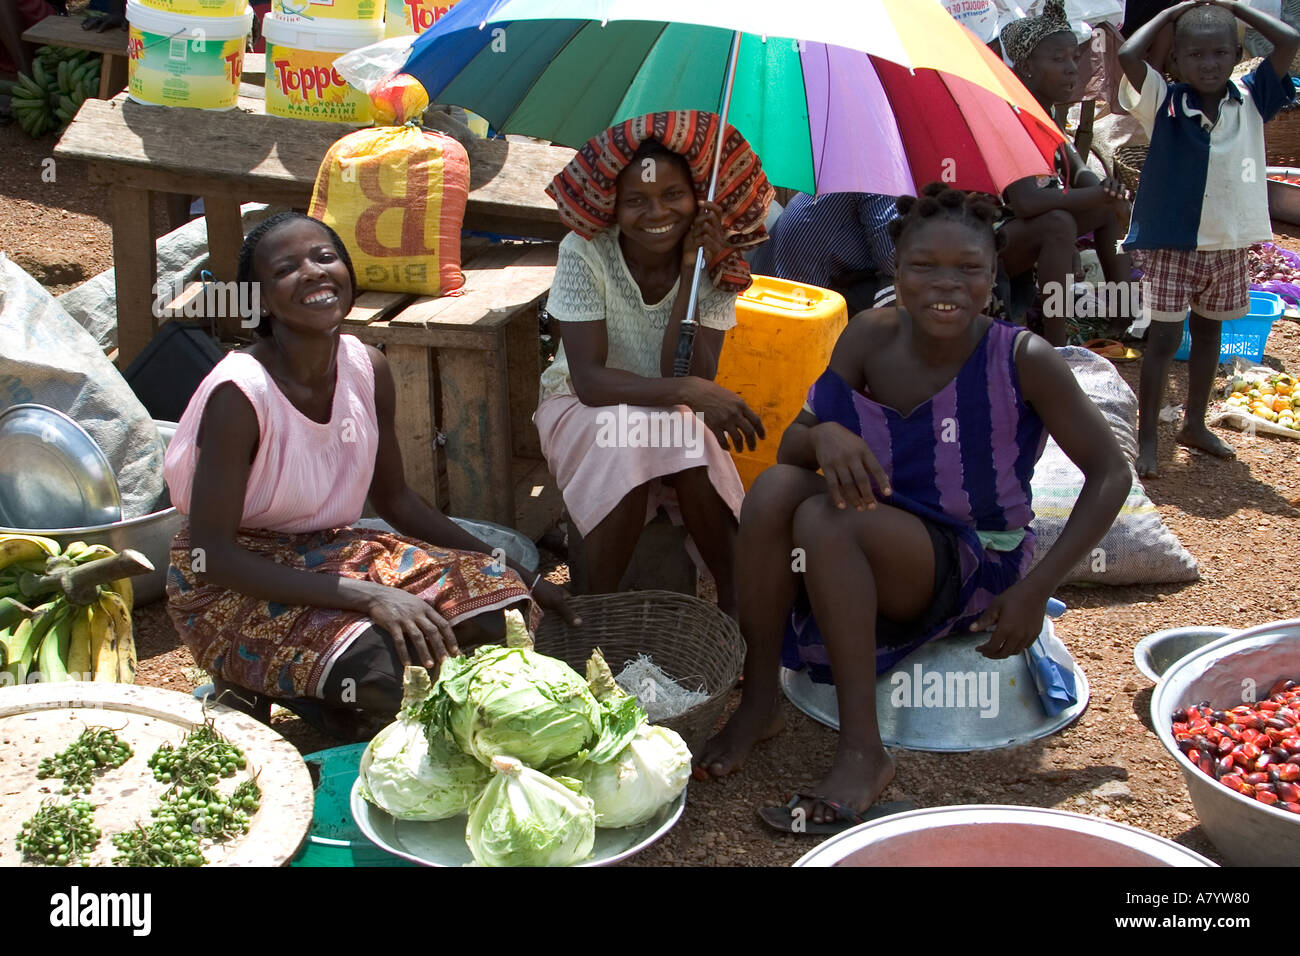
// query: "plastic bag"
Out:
[1139,548]
[47,358]
[978,16]
[397,196]
[1290,291]
[1083,15]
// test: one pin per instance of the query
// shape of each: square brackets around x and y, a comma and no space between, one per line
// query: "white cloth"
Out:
[592,284]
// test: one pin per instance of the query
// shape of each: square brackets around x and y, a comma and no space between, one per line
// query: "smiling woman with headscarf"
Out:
[619,432]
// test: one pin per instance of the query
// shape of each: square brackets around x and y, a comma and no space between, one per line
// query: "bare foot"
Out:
[1198,436]
[856,781]
[1147,466]
[725,753]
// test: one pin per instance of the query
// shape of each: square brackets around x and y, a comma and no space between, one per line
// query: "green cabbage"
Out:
[649,773]
[412,778]
[413,774]
[524,818]
[512,701]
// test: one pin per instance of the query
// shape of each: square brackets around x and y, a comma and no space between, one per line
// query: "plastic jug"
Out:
[782,341]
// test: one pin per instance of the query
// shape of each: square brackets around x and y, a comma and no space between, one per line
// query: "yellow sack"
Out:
[396,195]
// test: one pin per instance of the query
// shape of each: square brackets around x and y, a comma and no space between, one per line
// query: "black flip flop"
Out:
[782,819]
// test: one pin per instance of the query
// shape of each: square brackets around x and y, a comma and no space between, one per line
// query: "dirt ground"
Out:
[1239,519]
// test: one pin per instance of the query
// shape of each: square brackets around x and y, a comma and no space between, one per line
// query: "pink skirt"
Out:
[599,454]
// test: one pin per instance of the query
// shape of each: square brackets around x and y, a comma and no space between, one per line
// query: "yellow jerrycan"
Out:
[782,340]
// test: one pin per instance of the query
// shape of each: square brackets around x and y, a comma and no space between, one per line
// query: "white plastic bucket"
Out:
[199,8]
[177,60]
[311,11]
[407,17]
[301,81]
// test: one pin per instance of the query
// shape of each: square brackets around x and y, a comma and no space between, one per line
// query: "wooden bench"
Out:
[111,45]
[243,155]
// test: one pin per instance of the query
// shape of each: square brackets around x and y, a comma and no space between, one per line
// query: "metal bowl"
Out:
[442,842]
[51,470]
[1158,652]
[1242,664]
[149,534]
[987,835]
[909,720]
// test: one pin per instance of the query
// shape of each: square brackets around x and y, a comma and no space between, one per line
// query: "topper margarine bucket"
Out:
[184,61]
[300,77]
[198,8]
[309,11]
[406,17]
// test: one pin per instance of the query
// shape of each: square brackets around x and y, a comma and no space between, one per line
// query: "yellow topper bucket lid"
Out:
[161,23]
[332,36]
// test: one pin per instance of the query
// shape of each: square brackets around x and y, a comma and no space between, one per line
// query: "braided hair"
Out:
[979,211]
[244,272]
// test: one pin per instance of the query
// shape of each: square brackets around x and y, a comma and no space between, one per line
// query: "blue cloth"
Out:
[818,238]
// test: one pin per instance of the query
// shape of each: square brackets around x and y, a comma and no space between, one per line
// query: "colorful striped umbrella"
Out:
[878,96]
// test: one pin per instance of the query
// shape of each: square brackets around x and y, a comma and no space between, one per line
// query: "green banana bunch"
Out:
[60,81]
[55,639]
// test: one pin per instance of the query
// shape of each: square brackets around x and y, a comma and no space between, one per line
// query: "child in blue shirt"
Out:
[1202,200]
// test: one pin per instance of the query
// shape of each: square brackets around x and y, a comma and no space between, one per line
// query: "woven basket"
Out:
[690,640]
[1128,165]
[1282,139]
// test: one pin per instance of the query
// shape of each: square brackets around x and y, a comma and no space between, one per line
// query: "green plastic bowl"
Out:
[335,840]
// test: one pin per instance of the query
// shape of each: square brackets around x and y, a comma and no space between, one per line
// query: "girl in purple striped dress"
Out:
[925,428]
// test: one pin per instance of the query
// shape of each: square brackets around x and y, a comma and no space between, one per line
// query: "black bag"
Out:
[168,372]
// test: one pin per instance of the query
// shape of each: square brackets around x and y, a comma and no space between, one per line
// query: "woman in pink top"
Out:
[269,587]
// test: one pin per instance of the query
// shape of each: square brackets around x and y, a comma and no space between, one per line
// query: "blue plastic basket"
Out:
[335,839]
[1245,336]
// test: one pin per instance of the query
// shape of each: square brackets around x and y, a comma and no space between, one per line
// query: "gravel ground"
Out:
[1239,519]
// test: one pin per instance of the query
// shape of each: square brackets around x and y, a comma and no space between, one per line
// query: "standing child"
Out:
[1203,196]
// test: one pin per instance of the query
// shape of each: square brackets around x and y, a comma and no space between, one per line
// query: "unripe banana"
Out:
[79,659]
[53,655]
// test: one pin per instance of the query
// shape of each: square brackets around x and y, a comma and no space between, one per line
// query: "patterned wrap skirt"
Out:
[285,650]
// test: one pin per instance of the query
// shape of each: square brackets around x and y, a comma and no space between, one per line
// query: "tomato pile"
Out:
[1254,748]
[1275,399]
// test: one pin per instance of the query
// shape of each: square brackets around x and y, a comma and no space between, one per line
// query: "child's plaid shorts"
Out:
[1216,284]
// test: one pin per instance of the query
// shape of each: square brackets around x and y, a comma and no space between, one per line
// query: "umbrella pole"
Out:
[686,334]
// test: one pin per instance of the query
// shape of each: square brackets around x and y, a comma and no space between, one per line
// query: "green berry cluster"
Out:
[59,833]
[97,748]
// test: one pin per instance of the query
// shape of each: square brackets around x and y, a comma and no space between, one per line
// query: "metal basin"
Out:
[1246,832]
[1004,709]
[1158,652]
[149,534]
[986,835]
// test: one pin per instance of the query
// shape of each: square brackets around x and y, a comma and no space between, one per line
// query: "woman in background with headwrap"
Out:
[619,432]
[1051,213]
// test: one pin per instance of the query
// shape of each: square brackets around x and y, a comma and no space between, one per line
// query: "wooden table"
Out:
[243,155]
[466,369]
[111,45]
